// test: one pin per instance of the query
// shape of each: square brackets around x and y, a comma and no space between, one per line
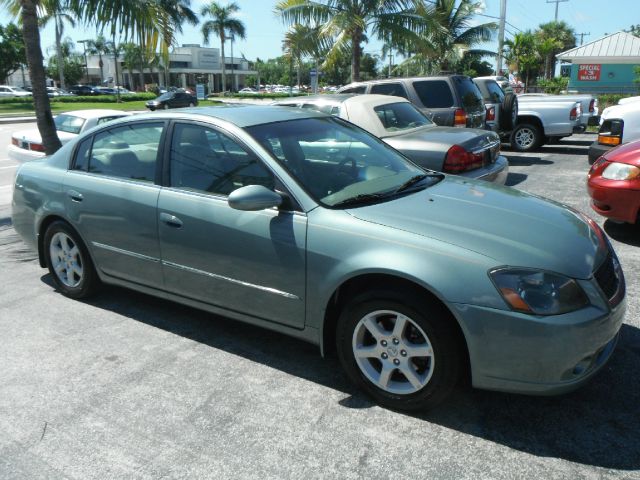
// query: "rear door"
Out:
[471,100]
[111,196]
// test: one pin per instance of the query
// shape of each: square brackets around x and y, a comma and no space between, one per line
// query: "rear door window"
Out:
[434,93]
[395,89]
[495,92]
[360,89]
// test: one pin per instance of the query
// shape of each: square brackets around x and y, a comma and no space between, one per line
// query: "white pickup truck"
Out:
[589,105]
[618,124]
[534,122]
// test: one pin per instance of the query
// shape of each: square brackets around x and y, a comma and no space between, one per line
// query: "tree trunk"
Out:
[59,53]
[224,73]
[141,74]
[100,64]
[356,39]
[31,36]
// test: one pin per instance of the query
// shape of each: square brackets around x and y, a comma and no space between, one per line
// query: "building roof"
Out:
[617,46]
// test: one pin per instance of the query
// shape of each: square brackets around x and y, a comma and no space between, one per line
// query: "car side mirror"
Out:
[254,197]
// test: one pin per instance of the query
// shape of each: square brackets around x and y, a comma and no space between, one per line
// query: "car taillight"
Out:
[459,160]
[592,105]
[460,118]
[491,114]
[36,147]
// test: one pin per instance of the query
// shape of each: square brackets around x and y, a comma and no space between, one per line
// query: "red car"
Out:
[614,183]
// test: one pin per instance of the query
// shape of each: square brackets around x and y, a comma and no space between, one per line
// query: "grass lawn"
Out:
[17,109]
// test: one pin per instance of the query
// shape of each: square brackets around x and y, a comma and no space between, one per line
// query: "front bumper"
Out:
[621,204]
[596,151]
[496,173]
[518,353]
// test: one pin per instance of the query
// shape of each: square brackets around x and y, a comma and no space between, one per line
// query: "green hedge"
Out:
[129,97]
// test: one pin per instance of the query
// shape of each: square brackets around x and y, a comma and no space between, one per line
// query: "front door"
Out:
[249,262]
[111,196]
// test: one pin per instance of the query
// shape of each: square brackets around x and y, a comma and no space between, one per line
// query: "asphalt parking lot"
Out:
[130,386]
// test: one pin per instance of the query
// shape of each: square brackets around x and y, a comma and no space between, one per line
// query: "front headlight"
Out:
[620,171]
[538,292]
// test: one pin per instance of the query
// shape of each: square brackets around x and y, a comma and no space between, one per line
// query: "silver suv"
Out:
[448,100]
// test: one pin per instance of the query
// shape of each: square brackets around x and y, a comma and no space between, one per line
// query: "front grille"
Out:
[610,279]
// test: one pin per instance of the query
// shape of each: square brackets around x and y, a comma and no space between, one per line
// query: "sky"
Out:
[265,31]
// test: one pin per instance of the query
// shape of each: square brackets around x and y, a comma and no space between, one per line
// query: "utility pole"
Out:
[503,14]
[582,35]
[556,2]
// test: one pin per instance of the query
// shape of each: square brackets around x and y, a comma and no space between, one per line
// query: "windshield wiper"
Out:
[360,199]
[415,180]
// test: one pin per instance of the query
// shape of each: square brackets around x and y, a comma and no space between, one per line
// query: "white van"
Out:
[618,124]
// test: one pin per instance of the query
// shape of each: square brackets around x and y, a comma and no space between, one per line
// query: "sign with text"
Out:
[589,72]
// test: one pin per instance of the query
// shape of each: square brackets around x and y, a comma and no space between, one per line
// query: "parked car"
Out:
[589,105]
[501,80]
[27,144]
[58,92]
[249,90]
[84,90]
[614,183]
[619,124]
[468,152]
[537,122]
[172,100]
[448,100]
[259,213]
[501,107]
[9,91]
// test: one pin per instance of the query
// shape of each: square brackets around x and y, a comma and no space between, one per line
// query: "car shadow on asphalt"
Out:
[526,161]
[514,179]
[597,425]
[623,232]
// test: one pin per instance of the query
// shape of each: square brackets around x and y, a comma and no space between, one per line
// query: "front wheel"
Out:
[68,261]
[399,350]
[526,137]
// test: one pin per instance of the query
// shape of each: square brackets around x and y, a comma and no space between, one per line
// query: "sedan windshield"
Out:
[337,163]
[69,123]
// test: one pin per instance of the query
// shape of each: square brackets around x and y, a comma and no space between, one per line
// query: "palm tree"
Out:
[520,53]
[58,12]
[27,10]
[299,41]
[554,37]
[138,19]
[222,23]
[349,20]
[100,46]
[453,33]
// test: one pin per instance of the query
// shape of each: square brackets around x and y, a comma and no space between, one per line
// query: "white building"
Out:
[189,65]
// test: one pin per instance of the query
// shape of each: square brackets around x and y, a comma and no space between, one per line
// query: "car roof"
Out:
[239,114]
[96,112]
[334,98]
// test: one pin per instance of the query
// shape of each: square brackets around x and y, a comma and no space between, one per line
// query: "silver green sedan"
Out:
[306,224]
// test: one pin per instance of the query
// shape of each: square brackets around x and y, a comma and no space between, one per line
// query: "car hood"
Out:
[442,138]
[34,136]
[511,227]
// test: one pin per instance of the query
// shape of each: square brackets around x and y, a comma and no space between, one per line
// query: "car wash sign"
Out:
[589,72]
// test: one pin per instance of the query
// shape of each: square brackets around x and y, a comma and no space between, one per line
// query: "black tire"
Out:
[71,285]
[509,112]
[440,372]
[526,137]
[191,105]
[166,106]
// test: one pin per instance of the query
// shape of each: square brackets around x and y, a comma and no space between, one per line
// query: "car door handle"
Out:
[75,196]
[170,220]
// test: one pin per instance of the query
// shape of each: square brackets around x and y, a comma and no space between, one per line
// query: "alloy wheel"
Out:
[66,259]
[393,352]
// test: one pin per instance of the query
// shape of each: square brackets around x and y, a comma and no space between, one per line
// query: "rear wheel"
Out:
[401,351]
[68,261]
[166,106]
[526,137]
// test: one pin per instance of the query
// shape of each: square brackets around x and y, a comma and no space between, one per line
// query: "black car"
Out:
[172,100]
[84,90]
[448,100]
